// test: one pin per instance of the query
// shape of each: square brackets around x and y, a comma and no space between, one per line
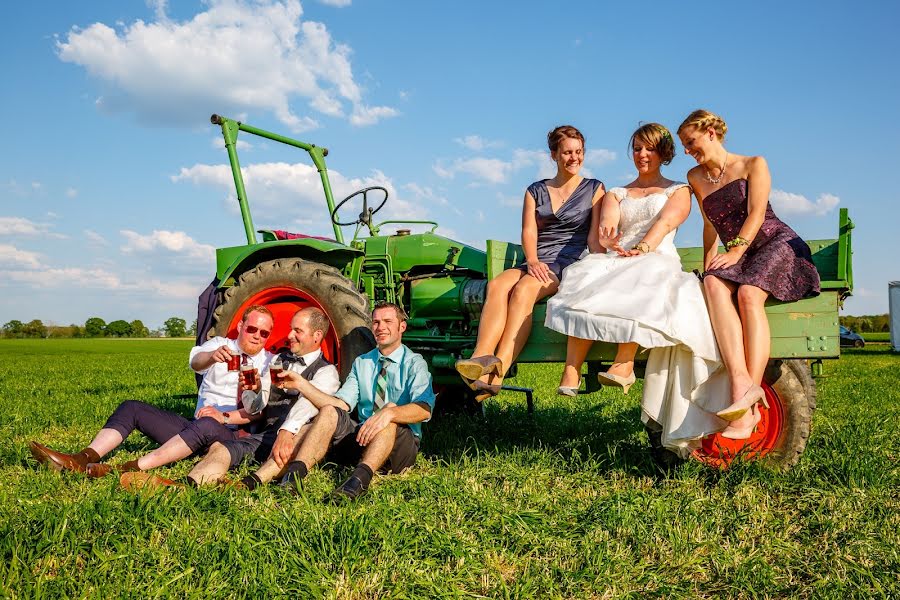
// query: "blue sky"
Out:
[116,190]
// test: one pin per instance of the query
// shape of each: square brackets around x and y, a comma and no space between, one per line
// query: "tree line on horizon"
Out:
[868,323]
[95,327]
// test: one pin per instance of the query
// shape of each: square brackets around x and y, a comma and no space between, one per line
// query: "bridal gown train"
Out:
[650,300]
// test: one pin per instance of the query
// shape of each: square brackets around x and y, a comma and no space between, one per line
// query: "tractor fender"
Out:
[232,262]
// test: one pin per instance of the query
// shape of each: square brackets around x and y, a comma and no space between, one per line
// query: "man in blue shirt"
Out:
[390,387]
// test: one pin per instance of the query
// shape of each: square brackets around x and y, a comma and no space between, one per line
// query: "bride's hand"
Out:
[609,239]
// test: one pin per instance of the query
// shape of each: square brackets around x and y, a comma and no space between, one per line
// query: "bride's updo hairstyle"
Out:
[555,137]
[703,120]
[655,136]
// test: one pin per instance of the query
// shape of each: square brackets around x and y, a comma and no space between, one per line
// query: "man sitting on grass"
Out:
[217,417]
[391,389]
[286,416]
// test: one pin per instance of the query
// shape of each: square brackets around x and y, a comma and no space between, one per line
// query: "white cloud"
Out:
[491,170]
[219,142]
[599,156]
[786,203]
[336,3]
[71,192]
[509,201]
[239,56]
[95,237]
[20,226]
[101,279]
[281,192]
[476,143]
[10,256]
[176,242]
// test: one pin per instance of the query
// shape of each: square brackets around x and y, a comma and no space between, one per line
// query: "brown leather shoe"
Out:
[135,481]
[97,470]
[58,461]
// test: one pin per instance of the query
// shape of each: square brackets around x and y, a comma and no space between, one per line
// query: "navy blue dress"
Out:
[562,236]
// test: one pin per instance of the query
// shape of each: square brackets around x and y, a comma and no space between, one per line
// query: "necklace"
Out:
[716,181]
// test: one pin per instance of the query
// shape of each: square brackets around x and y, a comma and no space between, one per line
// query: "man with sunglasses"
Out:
[218,416]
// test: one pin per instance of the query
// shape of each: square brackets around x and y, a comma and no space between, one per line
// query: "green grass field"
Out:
[564,504]
[877,337]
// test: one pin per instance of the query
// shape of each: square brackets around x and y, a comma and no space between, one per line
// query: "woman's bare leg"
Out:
[729,330]
[494,314]
[576,351]
[518,319]
[757,338]
[623,364]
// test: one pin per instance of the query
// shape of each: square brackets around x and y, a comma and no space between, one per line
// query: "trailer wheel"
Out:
[782,433]
[288,284]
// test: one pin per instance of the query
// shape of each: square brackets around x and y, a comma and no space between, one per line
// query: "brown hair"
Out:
[703,120]
[257,308]
[555,137]
[655,136]
[316,318]
[401,314]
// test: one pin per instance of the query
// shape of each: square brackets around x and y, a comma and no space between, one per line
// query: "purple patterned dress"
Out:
[777,261]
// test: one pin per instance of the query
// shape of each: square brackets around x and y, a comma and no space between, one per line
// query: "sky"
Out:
[116,190]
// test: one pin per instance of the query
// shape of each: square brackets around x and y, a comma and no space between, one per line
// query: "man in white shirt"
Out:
[217,416]
[284,419]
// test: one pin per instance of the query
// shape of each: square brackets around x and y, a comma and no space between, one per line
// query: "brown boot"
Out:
[97,470]
[134,481]
[59,461]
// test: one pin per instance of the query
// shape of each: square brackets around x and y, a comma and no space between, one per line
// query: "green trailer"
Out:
[442,285]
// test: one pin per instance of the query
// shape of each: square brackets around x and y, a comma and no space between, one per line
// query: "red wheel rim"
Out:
[284,301]
[717,451]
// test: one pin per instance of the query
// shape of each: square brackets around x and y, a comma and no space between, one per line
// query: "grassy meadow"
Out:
[566,503]
[881,336]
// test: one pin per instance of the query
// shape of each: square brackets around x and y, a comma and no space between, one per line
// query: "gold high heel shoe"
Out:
[473,369]
[611,379]
[485,390]
[734,433]
[748,400]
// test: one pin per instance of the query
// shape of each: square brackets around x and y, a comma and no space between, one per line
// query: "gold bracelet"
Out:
[642,247]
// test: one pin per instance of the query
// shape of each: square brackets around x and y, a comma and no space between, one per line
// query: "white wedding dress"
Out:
[648,299]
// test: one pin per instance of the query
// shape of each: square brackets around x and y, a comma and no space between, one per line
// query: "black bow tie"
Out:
[290,358]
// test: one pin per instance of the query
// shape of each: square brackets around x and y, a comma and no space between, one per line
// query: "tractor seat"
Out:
[274,235]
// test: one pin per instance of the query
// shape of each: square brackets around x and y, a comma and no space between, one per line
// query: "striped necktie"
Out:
[381,382]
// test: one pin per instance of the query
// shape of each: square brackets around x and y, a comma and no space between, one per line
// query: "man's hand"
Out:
[211,411]
[293,380]
[221,354]
[375,424]
[283,450]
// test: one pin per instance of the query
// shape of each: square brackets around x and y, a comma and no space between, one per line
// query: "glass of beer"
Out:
[275,370]
[234,363]
[249,376]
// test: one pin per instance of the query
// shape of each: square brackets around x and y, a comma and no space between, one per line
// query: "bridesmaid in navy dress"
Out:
[764,257]
[558,217]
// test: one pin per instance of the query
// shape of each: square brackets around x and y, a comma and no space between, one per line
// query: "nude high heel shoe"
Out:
[611,379]
[735,433]
[748,400]
[471,369]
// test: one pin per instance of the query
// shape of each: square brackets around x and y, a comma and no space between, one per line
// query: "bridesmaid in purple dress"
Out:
[558,216]
[764,257]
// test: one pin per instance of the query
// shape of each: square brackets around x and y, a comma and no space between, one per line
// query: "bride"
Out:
[636,294]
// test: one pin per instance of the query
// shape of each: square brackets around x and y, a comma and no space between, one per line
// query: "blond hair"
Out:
[703,120]
[655,136]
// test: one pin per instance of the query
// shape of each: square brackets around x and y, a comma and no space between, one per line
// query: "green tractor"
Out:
[442,285]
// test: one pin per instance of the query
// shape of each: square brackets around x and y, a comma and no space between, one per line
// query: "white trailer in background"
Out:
[894,301]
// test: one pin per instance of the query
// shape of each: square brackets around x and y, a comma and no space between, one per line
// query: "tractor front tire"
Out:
[294,282]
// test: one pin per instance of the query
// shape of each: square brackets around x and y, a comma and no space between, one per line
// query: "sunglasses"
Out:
[251,329]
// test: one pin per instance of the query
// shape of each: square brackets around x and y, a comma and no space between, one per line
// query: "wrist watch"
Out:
[225,416]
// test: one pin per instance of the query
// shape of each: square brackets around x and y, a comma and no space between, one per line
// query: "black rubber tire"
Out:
[792,381]
[859,343]
[453,399]
[347,308]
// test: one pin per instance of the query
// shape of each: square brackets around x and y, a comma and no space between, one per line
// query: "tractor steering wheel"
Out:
[365,217]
